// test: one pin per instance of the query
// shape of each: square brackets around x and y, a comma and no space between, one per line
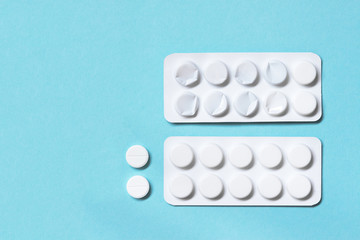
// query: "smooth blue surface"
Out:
[81,81]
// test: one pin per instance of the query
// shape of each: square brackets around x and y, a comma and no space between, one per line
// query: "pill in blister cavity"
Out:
[216,104]
[250,87]
[182,156]
[138,187]
[187,105]
[216,73]
[246,104]
[137,156]
[181,186]
[243,171]
[187,74]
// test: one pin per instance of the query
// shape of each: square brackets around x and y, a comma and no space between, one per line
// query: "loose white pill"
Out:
[276,104]
[187,105]
[300,156]
[216,104]
[138,187]
[211,156]
[241,156]
[305,103]
[187,74]
[181,186]
[216,73]
[299,186]
[246,104]
[240,186]
[137,156]
[304,73]
[182,156]
[246,73]
[276,72]
[211,186]
[270,156]
[270,186]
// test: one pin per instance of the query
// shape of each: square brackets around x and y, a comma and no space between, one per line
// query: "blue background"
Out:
[81,81]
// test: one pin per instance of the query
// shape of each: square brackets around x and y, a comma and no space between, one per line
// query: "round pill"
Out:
[276,72]
[211,156]
[241,156]
[300,156]
[270,186]
[211,186]
[216,104]
[181,186]
[304,73]
[137,156]
[246,104]
[187,105]
[216,73]
[240,186]
[246,73]
[305,103]
[138,187]
[276,104]
[270,156]
[182,156]
[187,74]
[299,186]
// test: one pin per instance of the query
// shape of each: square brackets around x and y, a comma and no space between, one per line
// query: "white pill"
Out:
[305,103]
[246,73]
[216,104]
[187,74]
[246,104]
[181,186]
[299,186]
[137,156]
[211,186]
[241,156]
[216,73]
[182,156]
[270,156]
[240,186]
[300,156]
[138,187]
[270,186]
[276,104]
[187,105]
[211,156]
[276,72]
[304,73]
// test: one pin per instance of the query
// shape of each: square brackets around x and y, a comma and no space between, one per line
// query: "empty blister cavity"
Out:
[305,103]
[187,105]
[240,186]
[304,73]
[299,186]
[216,104]
[246,104]
[241,156]
[187,74]
[300,156]
[270,186]
[276,72]
[216,73]
[211,186]
[181,186]
[138,187]
[137,156]
[246,73]
[211,156]
[271,156]
[182,156]
[276,104]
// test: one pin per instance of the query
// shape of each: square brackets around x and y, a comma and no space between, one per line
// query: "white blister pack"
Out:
[242,87]
[242,171]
